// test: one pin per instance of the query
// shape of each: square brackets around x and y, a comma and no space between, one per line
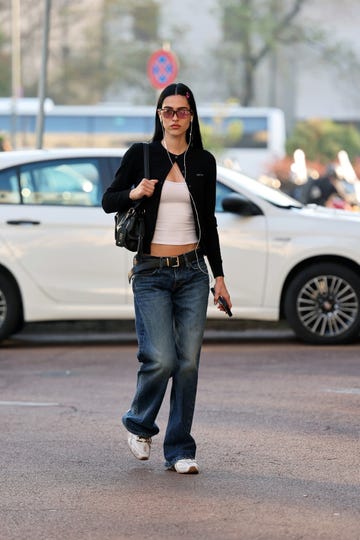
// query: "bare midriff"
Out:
[169,250]
[164,250]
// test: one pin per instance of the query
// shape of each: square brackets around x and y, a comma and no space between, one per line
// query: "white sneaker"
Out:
[186,466]
[139,446]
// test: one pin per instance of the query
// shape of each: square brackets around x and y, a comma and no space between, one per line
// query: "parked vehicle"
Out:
[58,260]
[251,137]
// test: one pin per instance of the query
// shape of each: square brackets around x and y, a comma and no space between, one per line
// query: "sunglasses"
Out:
[169,112]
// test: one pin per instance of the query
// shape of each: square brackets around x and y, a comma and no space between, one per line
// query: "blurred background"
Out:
[280,75]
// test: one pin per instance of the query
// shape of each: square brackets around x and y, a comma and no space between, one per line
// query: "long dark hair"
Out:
[182,90]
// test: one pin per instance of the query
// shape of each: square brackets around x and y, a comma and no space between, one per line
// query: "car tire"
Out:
[11,313]
[322,304]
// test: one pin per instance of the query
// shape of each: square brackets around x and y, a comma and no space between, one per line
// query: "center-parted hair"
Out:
[180,89]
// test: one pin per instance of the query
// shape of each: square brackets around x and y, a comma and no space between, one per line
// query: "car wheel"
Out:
[322,304]
[11,318]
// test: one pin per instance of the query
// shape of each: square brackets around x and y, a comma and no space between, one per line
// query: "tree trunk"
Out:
[247,93]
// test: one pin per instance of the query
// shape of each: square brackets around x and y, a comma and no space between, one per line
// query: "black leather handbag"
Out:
[129,225]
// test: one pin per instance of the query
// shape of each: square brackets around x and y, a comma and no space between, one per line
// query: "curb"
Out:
[124,332]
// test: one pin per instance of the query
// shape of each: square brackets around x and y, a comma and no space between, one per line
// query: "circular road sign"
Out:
[162,68]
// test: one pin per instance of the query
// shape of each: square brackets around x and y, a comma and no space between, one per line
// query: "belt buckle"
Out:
[176,264]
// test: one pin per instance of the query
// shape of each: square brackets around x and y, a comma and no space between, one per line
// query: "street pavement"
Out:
[277,427]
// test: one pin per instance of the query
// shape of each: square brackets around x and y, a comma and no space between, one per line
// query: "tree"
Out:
[252,30]
[257,30]
[321,140]
[94,53]
[113,56]
[5,63]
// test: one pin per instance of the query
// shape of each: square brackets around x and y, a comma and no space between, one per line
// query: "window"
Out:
[238,132]
[9,187]
[221,192]
[72,182]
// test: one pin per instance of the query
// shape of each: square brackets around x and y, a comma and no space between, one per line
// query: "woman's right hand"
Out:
[144,189]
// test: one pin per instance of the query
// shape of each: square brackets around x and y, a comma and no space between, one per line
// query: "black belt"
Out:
[149,262]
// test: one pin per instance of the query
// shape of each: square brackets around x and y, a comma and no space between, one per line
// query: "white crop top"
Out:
[175,223]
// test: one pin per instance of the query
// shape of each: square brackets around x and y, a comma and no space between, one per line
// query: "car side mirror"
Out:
[237,204]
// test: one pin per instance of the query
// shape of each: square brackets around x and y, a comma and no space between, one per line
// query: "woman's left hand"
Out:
[221,290]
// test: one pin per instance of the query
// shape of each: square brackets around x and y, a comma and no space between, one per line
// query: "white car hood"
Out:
[334,214]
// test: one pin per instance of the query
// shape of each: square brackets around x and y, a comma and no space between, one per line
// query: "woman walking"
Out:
[170,277]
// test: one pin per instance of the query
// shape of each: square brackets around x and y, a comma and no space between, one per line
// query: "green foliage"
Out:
[109,55]
[113,55]
[5,68]
[215,137]
[146,22]
[5,76]
[321,140]
[253,29]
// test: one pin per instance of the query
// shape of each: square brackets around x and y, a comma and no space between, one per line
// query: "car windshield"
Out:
[275,196]
[271,195]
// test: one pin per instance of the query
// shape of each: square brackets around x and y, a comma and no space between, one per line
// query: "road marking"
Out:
[344,390]
[29,404]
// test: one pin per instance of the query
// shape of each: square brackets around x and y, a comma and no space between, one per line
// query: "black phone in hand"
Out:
[223,303]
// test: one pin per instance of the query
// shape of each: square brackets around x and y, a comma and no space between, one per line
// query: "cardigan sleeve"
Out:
[116,197]
[210,232]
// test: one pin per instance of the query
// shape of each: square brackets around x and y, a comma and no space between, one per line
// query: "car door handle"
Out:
[22,222]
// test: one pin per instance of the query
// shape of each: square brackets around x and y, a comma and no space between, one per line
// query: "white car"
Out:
[58,259]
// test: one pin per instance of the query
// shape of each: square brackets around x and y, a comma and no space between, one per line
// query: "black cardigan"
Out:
[200,179]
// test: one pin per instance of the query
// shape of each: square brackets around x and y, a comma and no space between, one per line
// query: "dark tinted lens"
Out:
[180,113]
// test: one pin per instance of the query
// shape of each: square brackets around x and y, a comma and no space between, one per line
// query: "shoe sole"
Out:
[142,458]
[190,470]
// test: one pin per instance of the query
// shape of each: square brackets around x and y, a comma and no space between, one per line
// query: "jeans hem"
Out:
[137,432]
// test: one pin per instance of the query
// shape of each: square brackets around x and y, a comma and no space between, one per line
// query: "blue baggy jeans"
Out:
[170,314]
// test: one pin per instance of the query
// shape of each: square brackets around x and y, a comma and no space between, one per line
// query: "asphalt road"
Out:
[277,427]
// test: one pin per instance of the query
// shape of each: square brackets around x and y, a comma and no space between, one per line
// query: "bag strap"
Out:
[146,170]
[146,160]
[146,175]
